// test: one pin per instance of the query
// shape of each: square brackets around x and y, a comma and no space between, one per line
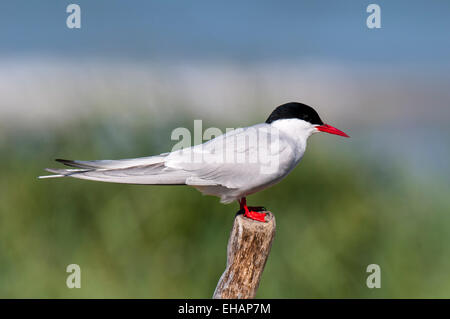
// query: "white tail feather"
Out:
[50,176]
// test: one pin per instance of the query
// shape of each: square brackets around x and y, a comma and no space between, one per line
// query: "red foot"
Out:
[255,215]
[251,214]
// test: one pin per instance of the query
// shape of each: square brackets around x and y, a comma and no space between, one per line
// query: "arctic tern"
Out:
[230,166]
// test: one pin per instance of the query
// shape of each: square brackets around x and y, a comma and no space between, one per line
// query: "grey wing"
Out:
[231,160]
[145,170]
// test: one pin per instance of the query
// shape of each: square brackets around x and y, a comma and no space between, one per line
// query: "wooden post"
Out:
[248,248]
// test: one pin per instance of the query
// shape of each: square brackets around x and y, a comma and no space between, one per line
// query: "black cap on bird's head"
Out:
[295,110]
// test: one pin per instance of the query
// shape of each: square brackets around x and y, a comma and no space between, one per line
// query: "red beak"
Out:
[330,129]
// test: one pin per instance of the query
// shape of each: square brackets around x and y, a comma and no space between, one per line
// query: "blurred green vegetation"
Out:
[338,212]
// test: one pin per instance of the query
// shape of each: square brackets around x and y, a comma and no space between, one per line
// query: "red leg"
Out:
[242,202]
[249,213]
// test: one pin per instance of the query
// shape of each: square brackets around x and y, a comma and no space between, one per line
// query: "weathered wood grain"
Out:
[247,252]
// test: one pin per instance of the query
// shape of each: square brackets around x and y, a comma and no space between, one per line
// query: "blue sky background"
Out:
[413,32]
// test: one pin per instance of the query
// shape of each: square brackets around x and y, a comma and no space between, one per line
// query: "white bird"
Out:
[230,166]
